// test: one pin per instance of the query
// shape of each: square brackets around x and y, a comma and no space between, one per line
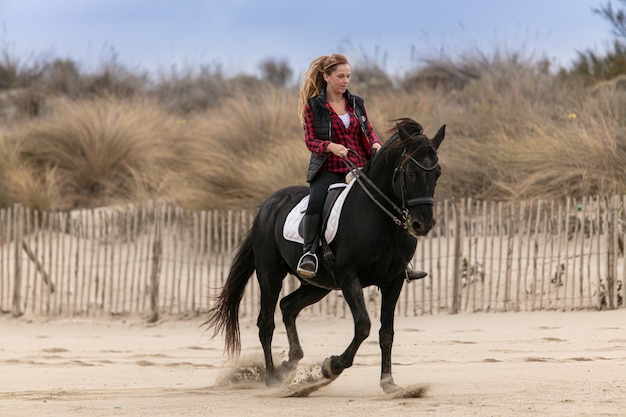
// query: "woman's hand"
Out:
[337,149]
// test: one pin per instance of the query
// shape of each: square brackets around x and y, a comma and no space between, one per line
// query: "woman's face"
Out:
[338,80]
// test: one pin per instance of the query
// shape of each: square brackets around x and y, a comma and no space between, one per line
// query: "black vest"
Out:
[321,114]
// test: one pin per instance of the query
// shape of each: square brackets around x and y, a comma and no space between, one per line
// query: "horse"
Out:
[381,219]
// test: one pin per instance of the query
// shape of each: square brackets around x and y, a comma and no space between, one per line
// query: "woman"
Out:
[335,127]
[331,132]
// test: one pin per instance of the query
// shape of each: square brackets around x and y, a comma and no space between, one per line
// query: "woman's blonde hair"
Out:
[313,79]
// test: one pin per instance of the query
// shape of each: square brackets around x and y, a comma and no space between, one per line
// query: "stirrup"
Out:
[307,273]
[412,275]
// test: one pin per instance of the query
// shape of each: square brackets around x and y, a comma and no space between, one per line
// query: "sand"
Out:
[496,364]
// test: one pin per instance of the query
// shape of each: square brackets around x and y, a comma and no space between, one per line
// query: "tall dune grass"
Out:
[242,151]
[100,151]
[514,131]
[19,184]
[108,150]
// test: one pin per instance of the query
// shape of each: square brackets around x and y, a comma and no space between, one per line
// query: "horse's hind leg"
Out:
[291,306]
[270,283]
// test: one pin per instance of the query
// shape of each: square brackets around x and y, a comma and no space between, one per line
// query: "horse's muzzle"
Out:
[422,222]
[420,228]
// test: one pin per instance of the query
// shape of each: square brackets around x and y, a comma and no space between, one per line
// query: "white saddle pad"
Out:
[290,229]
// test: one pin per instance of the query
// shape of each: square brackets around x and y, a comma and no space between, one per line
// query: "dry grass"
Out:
[515,131]
[522,133]
[99,151]
[243,151]
[110,150]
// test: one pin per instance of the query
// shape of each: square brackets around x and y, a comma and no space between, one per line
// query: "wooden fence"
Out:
[158,260]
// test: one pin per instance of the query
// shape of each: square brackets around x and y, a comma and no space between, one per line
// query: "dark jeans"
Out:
[319,188]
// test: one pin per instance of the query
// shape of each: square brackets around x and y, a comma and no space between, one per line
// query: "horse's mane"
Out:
[415,147]
[409,125]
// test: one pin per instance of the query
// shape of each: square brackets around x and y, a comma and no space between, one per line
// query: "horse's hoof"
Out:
[388,386]
[306,381]
[391,388]
[327,370]
[272,382]
[286,371]
[414,391]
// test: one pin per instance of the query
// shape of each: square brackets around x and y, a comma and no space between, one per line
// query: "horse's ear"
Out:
[404,135]
[438,138]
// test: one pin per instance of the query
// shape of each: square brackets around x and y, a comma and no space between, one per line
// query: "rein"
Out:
[403,213]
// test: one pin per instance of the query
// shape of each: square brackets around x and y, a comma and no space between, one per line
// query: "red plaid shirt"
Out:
[352,138]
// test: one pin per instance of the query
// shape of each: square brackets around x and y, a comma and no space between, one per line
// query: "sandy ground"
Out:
[503,364]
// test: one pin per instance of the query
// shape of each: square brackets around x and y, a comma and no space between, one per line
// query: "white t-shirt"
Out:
[345,118]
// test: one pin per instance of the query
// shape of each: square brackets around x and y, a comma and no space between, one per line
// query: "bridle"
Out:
[399,215]
[400,169]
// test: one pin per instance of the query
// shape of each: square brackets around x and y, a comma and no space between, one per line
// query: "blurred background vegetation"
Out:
[516,128]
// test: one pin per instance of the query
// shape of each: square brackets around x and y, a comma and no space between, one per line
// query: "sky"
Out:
[158,36]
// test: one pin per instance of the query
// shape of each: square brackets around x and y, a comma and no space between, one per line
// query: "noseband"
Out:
[401,215]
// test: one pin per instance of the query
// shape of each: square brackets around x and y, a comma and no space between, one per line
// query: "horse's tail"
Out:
[224,315]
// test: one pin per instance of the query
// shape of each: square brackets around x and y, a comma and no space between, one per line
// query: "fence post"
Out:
[457,255]
[17,277]
[155,273]
[610,259]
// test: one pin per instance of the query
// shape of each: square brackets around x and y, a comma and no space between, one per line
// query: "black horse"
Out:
[382,216]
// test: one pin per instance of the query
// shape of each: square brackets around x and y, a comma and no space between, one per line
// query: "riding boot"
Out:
[308,264]
[412,274]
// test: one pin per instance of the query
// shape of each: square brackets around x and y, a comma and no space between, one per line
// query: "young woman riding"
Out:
[336,127]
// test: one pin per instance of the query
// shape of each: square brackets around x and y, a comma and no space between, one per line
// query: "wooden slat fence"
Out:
[157,260]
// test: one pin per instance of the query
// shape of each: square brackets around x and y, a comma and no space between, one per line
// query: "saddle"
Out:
[333,204]
[334,191]
[292,229]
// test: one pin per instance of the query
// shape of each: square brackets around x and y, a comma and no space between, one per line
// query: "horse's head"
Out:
[415,174]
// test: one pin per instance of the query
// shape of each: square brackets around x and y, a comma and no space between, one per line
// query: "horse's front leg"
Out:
[390,294]
[353,294]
